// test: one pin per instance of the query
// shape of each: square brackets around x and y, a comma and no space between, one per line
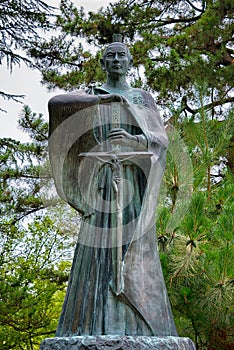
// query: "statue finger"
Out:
[116,129]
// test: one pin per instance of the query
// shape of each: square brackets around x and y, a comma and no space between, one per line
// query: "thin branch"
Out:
[26,214]
[13,97]
[226,92]
[15,56]
[177,20]
[194,7]
[206,107]
[36,177]
[166,8]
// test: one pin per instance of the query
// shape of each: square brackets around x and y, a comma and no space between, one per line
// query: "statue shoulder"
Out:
[142,92]
[145,98]
[65,105]
[75,97]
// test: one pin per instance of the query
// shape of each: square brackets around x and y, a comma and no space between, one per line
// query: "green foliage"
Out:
[36,243]
[31,283]
[20,166]
[197,245]
[22,23]
[178,43]
[199,271]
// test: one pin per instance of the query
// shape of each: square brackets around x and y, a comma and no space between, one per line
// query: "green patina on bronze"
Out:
[107,149]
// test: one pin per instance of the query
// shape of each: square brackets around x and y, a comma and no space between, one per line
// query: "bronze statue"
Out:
[107,150]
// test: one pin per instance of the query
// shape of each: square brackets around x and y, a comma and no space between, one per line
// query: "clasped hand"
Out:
[121,137]
[118,136]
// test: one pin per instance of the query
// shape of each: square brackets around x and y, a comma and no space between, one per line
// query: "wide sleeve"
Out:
[71,133]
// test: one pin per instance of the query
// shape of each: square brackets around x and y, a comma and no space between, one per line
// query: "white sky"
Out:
[24,81]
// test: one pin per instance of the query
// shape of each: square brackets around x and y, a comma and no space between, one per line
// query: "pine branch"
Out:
[177,20]
[7,96]
[196,8]
[206,107]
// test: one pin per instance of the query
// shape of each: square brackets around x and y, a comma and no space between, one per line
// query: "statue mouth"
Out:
[116,66]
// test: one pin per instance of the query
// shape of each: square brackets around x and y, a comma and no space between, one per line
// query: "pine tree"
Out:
[36,240]
[179,44]
[197,245]
[22,23]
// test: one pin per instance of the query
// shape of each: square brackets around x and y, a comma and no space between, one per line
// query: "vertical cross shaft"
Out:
[116,123]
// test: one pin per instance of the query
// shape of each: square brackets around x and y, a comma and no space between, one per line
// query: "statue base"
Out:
[102,342]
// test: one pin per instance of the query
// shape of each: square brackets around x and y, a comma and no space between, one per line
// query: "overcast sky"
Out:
[26,82]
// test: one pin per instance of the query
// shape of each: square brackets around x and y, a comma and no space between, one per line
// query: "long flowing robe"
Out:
[116,285]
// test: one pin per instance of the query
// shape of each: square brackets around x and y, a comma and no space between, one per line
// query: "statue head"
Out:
[117,58]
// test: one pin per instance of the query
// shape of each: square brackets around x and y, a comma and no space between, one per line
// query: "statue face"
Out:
[116,59]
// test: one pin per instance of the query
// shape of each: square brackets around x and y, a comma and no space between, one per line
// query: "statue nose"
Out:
[116,58]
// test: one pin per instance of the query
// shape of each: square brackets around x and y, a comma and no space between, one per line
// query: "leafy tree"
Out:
[31,283]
